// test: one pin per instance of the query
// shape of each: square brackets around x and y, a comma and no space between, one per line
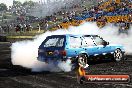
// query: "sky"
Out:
[10,2]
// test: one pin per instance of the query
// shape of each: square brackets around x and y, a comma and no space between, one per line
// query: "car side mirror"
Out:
[105,43]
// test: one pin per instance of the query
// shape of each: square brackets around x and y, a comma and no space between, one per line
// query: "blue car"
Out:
[78,48]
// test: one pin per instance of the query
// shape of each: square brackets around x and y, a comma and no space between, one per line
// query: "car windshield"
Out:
[98,40]
[54,42]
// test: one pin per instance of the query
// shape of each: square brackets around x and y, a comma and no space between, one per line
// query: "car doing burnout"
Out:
[78,48]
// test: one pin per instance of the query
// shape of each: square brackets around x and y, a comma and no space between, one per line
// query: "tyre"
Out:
[82,60]
[118,55]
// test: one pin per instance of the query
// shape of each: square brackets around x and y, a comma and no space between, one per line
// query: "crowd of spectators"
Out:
[122,8]
[116,9]
[24,23]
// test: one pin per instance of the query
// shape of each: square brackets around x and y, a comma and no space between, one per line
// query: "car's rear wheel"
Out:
[82,60]
[118,55]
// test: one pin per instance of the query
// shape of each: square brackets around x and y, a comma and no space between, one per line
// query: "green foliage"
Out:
[3,7]
[28,3]
[17,3]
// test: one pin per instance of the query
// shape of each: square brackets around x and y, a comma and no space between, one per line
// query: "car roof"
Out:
[74,35]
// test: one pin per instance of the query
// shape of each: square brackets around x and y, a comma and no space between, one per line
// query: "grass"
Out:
[29,34]
[20,37]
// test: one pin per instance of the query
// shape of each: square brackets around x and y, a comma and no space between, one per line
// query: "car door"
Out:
[74,46]
[89,46]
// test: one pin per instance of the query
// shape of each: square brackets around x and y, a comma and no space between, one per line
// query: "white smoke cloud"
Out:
[25,53]
[110,33]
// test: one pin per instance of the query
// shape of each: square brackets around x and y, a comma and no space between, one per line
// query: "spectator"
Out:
[1,30]
[39,28]
[46,26]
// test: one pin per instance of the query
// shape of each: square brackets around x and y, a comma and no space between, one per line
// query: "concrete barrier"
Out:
[19,38]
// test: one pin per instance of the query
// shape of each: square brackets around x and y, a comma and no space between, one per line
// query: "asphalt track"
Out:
[18,77]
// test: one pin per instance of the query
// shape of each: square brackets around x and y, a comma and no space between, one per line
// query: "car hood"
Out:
[117,46]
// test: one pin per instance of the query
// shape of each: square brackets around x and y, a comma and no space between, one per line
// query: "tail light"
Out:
[63,53]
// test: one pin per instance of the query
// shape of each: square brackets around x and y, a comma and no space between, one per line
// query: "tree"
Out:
[17,3]
[29,3]
[3,7]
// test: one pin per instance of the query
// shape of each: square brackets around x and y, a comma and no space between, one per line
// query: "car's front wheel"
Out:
[118,55]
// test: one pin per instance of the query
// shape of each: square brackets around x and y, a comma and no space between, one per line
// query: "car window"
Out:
[75,42]
[87,41]
[56,42]
[98,40]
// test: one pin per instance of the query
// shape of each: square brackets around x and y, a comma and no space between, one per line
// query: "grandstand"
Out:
[110,11]
[102,12]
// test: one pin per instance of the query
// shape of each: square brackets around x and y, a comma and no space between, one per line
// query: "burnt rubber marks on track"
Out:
[18,77]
